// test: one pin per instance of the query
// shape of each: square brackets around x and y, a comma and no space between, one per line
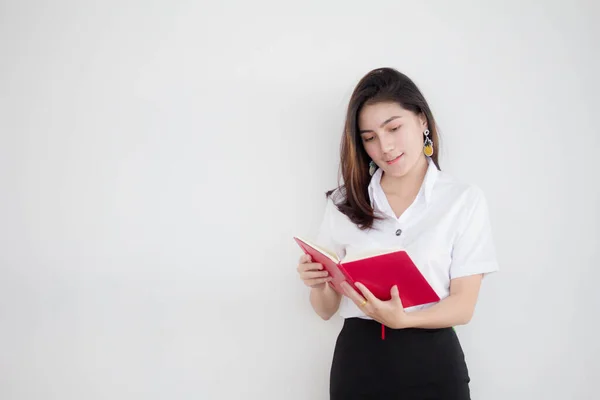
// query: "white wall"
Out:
[157,157]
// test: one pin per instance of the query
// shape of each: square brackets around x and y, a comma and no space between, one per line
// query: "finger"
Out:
[353,294]
[373,303]
[312,267]
[367,293]
[318,281]
[314,274]
[309,267]
[396,295]
[305,258]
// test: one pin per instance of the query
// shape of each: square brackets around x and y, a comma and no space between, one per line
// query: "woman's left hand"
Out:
[389,313]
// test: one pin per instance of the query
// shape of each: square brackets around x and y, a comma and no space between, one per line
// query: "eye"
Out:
[396,128]
[368,139]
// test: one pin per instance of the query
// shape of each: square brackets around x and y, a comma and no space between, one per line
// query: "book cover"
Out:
[379,271]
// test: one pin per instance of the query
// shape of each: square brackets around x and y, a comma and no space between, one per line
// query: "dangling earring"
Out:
[428,146]
[372,167]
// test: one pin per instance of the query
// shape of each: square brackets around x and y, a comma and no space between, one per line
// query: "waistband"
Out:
[370,327]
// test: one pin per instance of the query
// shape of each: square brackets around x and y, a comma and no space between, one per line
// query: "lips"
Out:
[393,161]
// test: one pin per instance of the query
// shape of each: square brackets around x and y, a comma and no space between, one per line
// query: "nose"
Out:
[387,143]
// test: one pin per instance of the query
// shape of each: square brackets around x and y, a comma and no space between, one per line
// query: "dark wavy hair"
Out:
[379,85]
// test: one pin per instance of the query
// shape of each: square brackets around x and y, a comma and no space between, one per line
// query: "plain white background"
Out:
[156,159]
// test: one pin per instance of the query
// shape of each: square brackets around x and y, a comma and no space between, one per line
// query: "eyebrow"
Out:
[382,125]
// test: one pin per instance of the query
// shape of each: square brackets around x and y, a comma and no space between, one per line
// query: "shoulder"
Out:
[452,191]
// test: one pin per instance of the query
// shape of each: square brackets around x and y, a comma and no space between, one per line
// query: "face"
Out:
[392,136]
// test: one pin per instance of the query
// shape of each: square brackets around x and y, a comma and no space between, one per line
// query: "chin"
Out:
[400,168]
[395,172]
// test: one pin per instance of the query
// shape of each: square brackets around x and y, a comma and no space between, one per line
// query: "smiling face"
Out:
[392,136]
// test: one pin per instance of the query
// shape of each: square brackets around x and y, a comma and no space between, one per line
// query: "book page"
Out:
[371,253]
[326,252]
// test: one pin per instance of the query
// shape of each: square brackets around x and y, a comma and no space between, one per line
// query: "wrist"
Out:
[411,320]
[320,291]
[407,320]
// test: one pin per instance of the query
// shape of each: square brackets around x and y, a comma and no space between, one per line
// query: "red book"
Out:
[379,271]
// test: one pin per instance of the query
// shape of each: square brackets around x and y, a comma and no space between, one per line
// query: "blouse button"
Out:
[398,232]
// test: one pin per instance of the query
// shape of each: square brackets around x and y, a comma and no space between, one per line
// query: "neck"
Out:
[409,184]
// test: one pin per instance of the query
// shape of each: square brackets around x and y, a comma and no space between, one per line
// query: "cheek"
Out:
[372,150]
[413,141]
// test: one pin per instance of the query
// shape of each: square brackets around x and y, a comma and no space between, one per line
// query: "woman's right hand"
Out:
[312,274]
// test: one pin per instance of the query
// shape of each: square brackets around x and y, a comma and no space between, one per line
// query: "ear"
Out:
[423,120]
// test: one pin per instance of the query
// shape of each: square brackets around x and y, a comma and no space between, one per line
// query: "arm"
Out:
[456,309]
[473,255]
[325,301]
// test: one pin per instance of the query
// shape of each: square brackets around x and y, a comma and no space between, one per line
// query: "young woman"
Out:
[394,194]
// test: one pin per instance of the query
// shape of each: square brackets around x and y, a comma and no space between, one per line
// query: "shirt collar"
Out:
[376,191]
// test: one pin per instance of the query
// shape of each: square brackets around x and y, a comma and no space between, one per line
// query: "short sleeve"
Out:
[326,235]
[474,251]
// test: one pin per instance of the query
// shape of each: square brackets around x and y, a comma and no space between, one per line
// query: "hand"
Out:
[389,313]
[312,274]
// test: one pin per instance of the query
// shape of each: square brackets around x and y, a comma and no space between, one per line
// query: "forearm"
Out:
[325,301]
[451,311]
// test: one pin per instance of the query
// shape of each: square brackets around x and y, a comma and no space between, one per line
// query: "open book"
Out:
[379,271]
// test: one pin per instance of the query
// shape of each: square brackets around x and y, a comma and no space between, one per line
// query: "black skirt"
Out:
[411,364]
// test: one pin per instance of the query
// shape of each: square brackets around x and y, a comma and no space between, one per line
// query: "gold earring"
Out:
[428,146]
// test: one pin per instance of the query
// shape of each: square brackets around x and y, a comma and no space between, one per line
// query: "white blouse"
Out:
[446,231]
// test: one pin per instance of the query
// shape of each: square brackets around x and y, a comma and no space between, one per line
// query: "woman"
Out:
[395,195]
